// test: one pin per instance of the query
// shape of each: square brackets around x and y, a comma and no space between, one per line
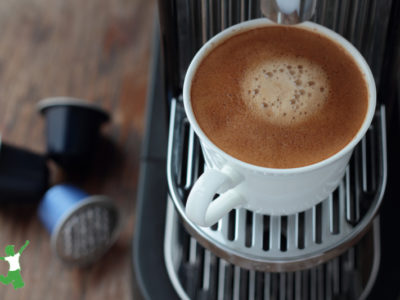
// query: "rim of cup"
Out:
[252,24]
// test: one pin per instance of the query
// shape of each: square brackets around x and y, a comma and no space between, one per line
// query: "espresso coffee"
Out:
[279,96]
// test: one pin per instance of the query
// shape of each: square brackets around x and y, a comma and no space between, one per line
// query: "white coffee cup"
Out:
[259,189]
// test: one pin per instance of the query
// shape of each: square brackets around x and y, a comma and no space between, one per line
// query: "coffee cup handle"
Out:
[199,206]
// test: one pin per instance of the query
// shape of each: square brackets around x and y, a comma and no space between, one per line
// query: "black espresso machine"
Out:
[343,248]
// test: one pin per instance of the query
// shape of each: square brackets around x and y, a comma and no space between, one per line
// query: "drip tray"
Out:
[196,273]
[283,243]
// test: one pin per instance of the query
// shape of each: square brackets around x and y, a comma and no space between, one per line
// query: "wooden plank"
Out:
[98,50]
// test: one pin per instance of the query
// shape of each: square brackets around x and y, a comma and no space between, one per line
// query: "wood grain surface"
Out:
[97,50]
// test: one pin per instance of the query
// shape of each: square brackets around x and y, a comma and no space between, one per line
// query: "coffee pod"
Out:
[82,227]
[72,130]
[23,175]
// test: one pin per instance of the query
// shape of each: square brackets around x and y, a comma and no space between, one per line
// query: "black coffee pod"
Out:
[23,175]
[72,130]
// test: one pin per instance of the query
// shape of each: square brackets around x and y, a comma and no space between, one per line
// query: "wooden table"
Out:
[97,50]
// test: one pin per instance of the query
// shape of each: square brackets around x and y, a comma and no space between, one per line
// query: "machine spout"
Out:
[288,11]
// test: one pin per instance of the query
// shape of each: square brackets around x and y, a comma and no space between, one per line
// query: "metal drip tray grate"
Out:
[284,243]
[198,274]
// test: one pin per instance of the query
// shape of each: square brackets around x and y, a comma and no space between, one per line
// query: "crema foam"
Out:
[279,96]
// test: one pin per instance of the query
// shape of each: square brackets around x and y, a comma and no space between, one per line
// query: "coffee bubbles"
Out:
[285,90]
[279,97]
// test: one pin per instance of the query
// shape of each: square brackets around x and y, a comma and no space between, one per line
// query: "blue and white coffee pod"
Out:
[82,227]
